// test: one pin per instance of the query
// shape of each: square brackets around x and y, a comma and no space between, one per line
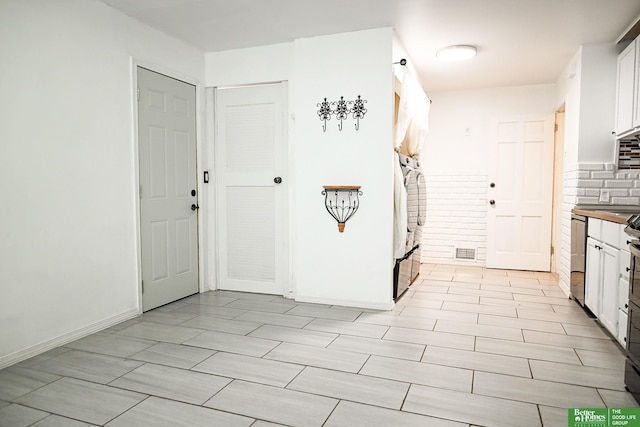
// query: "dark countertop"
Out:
[617,214]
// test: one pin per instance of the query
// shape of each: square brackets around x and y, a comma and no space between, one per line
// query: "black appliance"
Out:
[578,256]
[632,368]
[406,271]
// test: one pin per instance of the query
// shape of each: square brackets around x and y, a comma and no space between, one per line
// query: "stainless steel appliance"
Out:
[578,256]
[407,268]
[632,367]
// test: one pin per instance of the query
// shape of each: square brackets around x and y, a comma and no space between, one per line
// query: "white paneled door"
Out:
[168,197]
[251,188]
[520,194]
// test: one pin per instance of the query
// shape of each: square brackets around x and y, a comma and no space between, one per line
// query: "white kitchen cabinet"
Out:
[623,309]
[606,284]
[610,282]
[622,328]
[623,292]
[594,228]
[627,91]
[601,283]
[592,276]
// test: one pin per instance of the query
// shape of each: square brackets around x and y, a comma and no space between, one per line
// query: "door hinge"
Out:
[555,126]
[143,286]
[552,250]
[140,191]
[138,93]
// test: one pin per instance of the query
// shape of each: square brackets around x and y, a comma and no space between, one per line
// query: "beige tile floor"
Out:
[463,347]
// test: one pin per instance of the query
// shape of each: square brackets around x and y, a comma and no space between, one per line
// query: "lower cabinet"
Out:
[622,327]
[606,286]
[623,296]
[593,277]
[610,282]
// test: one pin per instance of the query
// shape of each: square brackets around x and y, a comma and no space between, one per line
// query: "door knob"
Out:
[277,180]
[492,185]
[194,207]
[492,202]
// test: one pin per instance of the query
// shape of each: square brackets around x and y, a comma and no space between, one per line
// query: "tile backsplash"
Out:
[629,154]
[601,183]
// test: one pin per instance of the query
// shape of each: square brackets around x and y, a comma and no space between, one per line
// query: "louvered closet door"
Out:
[252,220]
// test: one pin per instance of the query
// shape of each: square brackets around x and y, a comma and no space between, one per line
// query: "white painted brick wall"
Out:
[457,209]
[456,216]
[583,184]
[571,193]
[594,178]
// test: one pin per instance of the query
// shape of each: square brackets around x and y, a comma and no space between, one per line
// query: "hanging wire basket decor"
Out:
[342,202]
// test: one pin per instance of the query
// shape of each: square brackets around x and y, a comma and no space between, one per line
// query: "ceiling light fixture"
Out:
[456,53]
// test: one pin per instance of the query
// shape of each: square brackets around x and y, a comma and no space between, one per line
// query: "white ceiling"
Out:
[519,42]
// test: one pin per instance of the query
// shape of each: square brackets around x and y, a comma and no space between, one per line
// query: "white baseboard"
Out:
[20,355]
[347,303]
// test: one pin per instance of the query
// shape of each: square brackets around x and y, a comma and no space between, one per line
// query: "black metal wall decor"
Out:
[342,202]
[324,113]
[341,109]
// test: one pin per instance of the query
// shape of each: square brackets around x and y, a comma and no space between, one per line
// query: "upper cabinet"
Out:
[628,109]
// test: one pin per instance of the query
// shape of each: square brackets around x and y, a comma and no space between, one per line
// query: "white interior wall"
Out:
[455,160]
[355,267]
[68,162]
[67,167]
[400,52]
[238,67]
[569,93]
[263,64]
[587,88]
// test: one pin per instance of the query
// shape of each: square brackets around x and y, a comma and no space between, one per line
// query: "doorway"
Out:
[168,188]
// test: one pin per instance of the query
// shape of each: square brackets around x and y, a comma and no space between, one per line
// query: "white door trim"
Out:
[202,225]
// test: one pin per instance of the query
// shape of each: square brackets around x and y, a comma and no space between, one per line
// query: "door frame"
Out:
[558,188]
[202,200]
